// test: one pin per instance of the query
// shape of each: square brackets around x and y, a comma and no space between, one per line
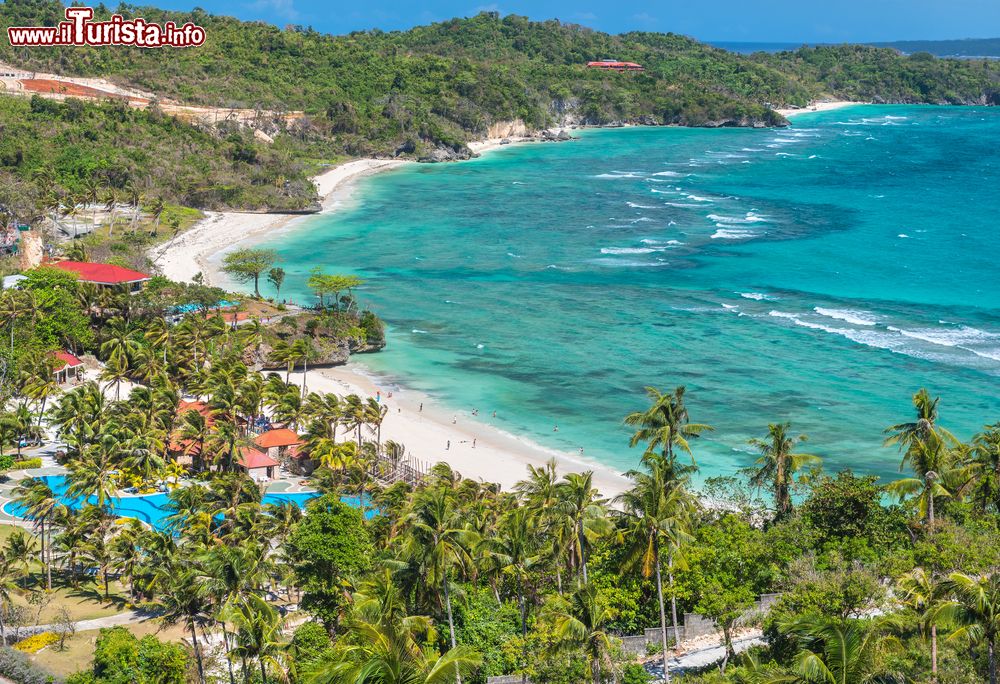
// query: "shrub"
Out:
[6,462]
[15,666]
[26,464]
[36,642]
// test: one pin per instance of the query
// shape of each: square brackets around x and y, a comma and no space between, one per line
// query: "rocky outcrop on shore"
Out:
[333,336]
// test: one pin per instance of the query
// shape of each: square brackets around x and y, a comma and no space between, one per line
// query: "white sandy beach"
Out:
[189,253]
[431,433]
[816,107]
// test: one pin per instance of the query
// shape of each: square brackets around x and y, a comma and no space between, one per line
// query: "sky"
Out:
[806,21]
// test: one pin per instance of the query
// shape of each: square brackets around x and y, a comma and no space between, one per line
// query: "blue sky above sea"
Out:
[723,20]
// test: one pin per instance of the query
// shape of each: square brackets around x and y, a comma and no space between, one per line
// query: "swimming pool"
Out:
[152,508]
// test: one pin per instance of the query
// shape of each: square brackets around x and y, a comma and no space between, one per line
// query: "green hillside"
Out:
[429,88]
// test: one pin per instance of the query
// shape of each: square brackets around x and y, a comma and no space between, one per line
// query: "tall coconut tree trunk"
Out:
[197,651]
[992,655]
[583,552]
[663,616]
[934,667]
[673,605]
[451,622]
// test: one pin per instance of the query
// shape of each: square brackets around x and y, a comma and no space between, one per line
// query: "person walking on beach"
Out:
[421,409]
[447,446]
[473,442]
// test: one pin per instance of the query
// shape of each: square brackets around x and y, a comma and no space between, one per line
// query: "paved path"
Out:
[129,617]
[696,660]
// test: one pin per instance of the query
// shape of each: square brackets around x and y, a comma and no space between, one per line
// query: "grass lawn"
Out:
[80,648]
[83,603]
[7,530]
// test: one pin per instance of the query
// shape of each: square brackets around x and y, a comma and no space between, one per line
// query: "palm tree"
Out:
[15,306]
[258,636]
[777,465]
[384,645]
[514,550]
[582,624]
[837,651]
[922,427]
[10,574]
[582,510]
[375,413]
[184,599]
[91,474]
[659,510]
[42,506]
[438,542]
[665,425]
[973,608]
[934,465]
[920,591]
[156,211]
[984,469]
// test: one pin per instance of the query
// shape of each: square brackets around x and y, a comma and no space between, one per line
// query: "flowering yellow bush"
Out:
[36,642]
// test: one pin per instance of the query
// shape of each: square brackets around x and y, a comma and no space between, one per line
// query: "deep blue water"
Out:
[819,274]
[152,508]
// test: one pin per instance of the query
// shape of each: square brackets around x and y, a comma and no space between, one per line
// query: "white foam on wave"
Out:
[671,174]
[621,263]
[732,233]
[980,343]
[629,250]
[620,174]
[749,218]
[514,256]
[784,154]
[847,315]
[672,243]
[418,331]
[698,198]
[683,205]
[757,296]
[636,205]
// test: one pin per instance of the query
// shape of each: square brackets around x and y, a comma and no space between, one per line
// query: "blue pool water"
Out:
[152,508]
[819,274]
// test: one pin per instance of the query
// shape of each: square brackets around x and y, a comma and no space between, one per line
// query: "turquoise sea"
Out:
[818,274]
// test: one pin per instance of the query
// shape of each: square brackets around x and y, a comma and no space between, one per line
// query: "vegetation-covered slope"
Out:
[63,150]
[409,92]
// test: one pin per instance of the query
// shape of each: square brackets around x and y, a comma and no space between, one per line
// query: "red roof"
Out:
[281,437]
[250,458]
[614,65]
[104,274]
[69,361]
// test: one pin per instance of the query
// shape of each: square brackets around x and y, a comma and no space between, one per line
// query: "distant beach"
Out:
[191,252]
[816,107]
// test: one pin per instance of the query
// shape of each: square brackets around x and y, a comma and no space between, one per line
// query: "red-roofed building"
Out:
[104,275]
[70,368]
[184,451]
[615,65]
[276,443]
[258,465]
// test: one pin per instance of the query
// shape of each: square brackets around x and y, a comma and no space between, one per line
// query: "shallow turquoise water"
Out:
[819,274]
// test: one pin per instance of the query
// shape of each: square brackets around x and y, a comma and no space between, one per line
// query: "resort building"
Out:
[70,370]
[277,443]
[258,465]
[105,275]
[615,65]
[182,450]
